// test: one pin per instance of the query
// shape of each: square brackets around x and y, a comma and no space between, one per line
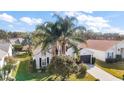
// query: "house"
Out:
[86,55]
[5,50]
[104,49]
[41,59]
[15,41]
[99,49]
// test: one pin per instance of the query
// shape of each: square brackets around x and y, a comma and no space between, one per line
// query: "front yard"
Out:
[22,73]
[116,69]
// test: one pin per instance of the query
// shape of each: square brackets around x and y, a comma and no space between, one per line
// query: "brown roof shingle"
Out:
[102,45]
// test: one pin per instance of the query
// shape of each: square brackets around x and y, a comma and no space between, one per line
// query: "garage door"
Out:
[85,58]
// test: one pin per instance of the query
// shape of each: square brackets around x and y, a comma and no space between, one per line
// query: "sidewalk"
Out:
[101,74]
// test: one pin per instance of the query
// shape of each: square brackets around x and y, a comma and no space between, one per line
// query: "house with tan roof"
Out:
[104,49]
[99,49]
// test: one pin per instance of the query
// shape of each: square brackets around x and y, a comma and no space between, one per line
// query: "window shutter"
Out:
[47,60]
[40,61]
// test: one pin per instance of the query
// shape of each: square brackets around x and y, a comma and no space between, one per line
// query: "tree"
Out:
[3,34]
[64,66]
[59,35]
[28,42]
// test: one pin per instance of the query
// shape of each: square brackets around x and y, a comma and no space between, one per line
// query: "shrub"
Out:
[23,54]
[97,79]
[123,77]
[33,66]
[7,67]
[43,69]
[118,57]
[111,60]
[93,60]
[10,60]
[64,66]
[82,71]
[18,47]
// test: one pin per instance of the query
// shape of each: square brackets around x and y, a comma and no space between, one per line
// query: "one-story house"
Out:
[104,49]
[99,49]
[5,51]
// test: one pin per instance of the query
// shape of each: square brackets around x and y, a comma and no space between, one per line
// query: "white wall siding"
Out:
[36,58]
[10,51]
[70,52]
[86,51]
[98,54]
[2,62]
[42,56]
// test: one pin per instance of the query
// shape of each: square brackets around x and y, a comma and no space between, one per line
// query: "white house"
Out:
[103,49]
[41,59]
[5,50]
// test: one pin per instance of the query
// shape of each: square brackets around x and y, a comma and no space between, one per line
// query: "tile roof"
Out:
[102,45]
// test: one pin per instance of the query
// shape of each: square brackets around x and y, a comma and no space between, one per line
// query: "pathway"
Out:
[101,74]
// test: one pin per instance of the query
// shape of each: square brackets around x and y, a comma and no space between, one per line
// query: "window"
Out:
[112,54]
[108,55]
[44,62]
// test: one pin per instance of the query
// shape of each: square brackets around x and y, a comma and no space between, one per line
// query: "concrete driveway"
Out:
[101,74]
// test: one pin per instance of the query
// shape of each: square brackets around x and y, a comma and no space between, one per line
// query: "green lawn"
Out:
[22,73]
[116,69]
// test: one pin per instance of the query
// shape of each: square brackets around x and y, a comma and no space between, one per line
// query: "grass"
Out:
[22,73]
[87,77]
[116,69]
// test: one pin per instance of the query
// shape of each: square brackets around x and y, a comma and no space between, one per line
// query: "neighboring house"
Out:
[86,55]
[15,41]
[104,49]
[5,50]
[41,59]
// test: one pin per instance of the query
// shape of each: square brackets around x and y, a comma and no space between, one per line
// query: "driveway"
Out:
[101,74]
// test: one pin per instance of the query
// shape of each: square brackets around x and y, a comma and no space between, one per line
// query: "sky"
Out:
[97,21]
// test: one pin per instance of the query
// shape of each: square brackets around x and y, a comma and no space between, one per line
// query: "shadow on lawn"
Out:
[23,73]
[117,65]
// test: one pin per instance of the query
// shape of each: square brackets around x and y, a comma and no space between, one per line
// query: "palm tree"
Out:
[59,35]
